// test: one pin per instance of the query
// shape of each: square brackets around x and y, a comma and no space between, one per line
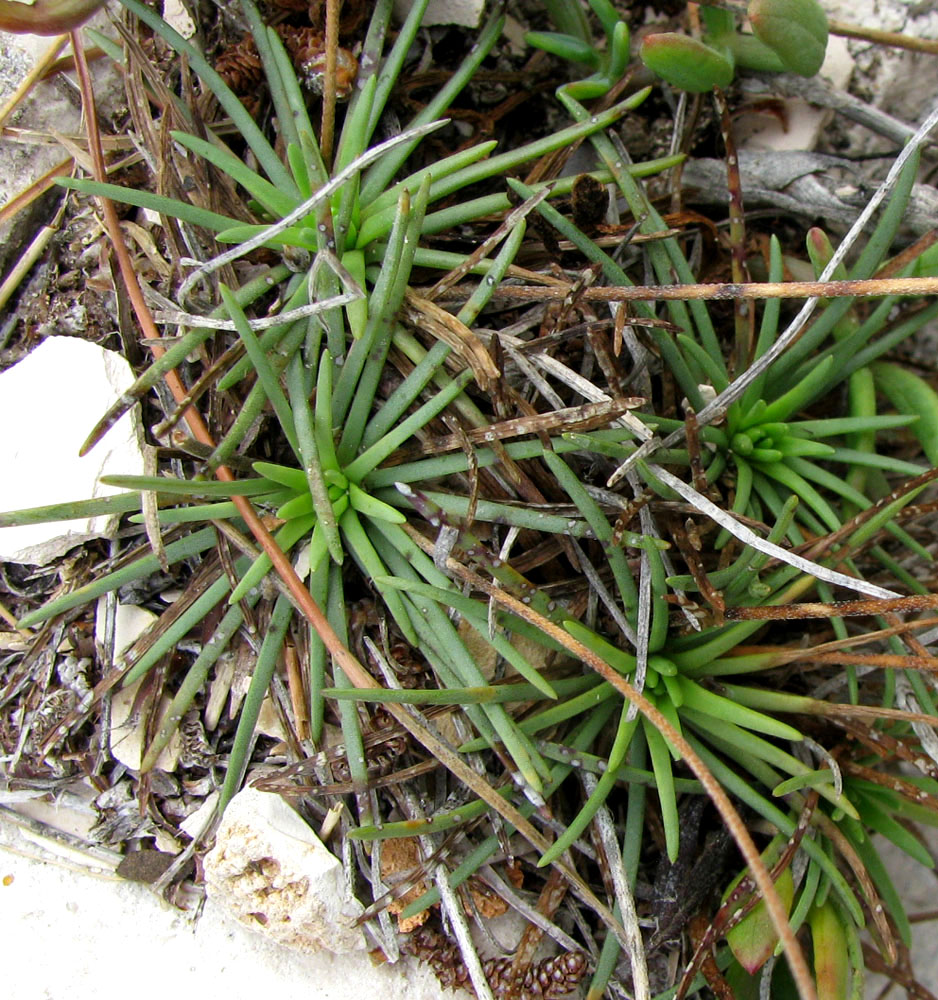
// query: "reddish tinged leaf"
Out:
[45,17]
[754,938]
[686,63]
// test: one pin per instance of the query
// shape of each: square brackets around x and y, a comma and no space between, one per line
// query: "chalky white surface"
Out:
[72,935]
[276,876]
[463,12]
[48,404]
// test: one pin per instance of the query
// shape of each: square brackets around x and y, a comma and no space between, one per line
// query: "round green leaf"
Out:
[795,29]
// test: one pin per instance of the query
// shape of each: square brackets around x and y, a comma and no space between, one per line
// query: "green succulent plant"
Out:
[789,36]
[359,215]
[341,492]
[576,46]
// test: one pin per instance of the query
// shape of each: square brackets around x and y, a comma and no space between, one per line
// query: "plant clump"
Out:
[547,567]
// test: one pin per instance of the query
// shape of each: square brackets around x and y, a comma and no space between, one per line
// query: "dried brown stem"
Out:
[327,133]
[719,290]
[895,39]
[835,609]
[743,314]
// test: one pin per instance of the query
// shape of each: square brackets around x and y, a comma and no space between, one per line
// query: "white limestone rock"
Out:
[801,124]
[177,17]
[130,622]
[128,731]
[466,13]
[48,404]
[128,727]
[274,875]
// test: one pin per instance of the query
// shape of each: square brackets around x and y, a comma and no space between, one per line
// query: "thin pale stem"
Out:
[894,39]
[718,290]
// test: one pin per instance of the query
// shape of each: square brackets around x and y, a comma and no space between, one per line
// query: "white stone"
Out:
[275,875]
[194,823]
[85,913]
[897,81]
[268,720]
[49,402]
[128,731]
[177,17]
[803,123]
[466,13]
[130,622]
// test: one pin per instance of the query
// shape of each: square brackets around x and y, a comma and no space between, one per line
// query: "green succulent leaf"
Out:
[565,46]
[831,958]
[754,938]
[909,393]
[687,63]
[717,21]
[795,29]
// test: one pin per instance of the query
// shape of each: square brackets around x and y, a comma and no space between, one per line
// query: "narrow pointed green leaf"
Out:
[664,777]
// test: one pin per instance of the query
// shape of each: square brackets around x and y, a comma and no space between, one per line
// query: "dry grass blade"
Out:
[609,847]
[588,416]
[740,531]
[896,784]
[487,245]
[29,257]
[422,314]
[34,190]
[815,549]
[454,911]
[835,609]
[718,291]
[262,322]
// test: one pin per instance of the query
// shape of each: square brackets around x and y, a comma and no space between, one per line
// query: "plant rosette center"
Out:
[297,508]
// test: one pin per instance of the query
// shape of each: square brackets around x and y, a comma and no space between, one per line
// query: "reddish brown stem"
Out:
[327,130]
[742,310]
[193,418]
